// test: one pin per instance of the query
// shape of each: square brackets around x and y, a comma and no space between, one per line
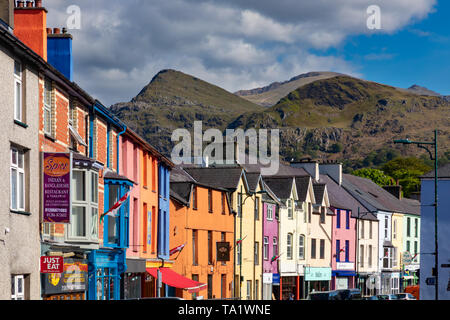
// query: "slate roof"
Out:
[181,191]
[302,184]
[443,172]
[252,180]
[281,186]
[115,176]
[178,174]
[373,196]
[319,191]
[223,178]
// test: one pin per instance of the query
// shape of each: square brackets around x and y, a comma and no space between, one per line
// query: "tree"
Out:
[376,175]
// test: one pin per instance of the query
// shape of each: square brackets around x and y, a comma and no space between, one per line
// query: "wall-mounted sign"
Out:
[72,279]
[317,274]
[223,251]
[276,278]
[57,168]
[267,278]
[50,264]
[345,266]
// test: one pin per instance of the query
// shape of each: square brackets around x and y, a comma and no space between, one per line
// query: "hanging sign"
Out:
[57,168]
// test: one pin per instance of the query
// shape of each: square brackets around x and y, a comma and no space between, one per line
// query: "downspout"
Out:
[118,144]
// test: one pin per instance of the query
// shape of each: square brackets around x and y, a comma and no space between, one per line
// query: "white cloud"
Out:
[234,44]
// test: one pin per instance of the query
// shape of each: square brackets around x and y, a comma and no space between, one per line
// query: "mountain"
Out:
[174,100]
[422,91]
[347,118]
[269,95]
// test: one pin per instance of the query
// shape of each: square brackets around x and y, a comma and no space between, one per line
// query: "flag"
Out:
[342,250]
[240,240]
[274,258]
[177,249]
[115,208]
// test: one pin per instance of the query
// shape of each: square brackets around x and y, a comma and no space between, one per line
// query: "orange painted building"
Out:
[200,217]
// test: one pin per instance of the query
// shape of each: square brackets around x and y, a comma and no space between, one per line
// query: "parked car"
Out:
[349,294]
[371,298]
[387,297]
[324,295]
[405,296]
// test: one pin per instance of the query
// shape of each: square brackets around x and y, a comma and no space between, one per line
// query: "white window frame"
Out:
[17,294]
[18,109]
[256,253]
[290,209]
[394,229]
[275,245]
[266,248]
[48,106]
[289,245]
[301,247]
[19,192]
[269,212]
[90,204]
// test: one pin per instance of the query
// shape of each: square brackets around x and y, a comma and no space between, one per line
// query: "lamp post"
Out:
[422,145]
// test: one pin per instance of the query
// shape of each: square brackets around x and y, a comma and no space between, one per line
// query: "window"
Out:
[289,202]
[194,198]
[322,249]
[370,230]
[135,163]
[145,170]
[370,256]
[17,287]
[195,278]
[153,234]
[84,220]
[347,250]
[224,199]
[145,226]
[416,228]
[386,227]
[249,289]
[394,229]
[210,201]
[256,253]
[154,174]
[338,250]
[256,289]
[322,215]
[301,247]
[362,229]
[289,246]
[194,247]
[210,247]
[408,246]
[48,107]
[408,227]
[361,256]
[347,221]
[270,212]
[394,257]
[238,254]
[266,248]
[313,248]
[257,208]
[17,183]
[223,239]
[239,202]
[223,286]
[275,246]
[135,224]
[18,91]
[415,250]
[338,219]
[309,212]
[386,258]
[210,286]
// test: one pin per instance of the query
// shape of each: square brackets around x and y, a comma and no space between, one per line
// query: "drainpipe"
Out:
[118,149]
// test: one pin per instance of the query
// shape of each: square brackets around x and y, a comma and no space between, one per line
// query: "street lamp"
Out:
[423,146]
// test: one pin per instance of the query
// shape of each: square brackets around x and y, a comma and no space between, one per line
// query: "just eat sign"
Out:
[51,264]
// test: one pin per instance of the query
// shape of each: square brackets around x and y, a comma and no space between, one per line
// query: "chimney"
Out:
[333,169]
[311,166]
[59,51]
[30,26]
[396,191]
[7,12]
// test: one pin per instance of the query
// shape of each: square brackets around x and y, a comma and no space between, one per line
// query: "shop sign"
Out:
[223,251]
[72,279]
[345,266]
[50,264]
[317,274]
[57,169]
[267,278]
[276,278]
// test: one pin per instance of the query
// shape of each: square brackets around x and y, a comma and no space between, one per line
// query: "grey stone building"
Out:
[19,165]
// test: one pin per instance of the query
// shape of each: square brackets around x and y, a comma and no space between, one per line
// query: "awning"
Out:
[176,280]
[76,136]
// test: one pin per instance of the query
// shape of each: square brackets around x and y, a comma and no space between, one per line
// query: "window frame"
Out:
[18,79]
[14,286]
[301,247]
[48,107]
[266,248]
[289,245]
[20,195]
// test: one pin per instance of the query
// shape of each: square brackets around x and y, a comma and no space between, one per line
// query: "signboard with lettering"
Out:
[317,274]
[345,266]
[57,169]
[51,264]
[276,278]
[72,279]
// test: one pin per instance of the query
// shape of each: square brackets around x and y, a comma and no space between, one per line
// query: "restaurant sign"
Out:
[317,274]
[72,279]
[57,168]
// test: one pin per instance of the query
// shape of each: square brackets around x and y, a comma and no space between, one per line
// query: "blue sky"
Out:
[244,44]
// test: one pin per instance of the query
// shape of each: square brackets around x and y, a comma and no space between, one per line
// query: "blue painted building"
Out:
[427,235]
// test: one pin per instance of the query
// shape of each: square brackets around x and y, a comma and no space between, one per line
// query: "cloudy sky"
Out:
[243,44]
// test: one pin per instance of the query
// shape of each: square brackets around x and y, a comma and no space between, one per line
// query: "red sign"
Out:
[50,264]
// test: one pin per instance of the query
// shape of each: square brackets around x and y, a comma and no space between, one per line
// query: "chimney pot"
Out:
[64,30]
[29,4]
[49,31]
[56,30]
[38,3]
[20,4]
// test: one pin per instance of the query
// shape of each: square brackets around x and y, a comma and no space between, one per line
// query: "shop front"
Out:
[343,276]
[132,279]
[317,279]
